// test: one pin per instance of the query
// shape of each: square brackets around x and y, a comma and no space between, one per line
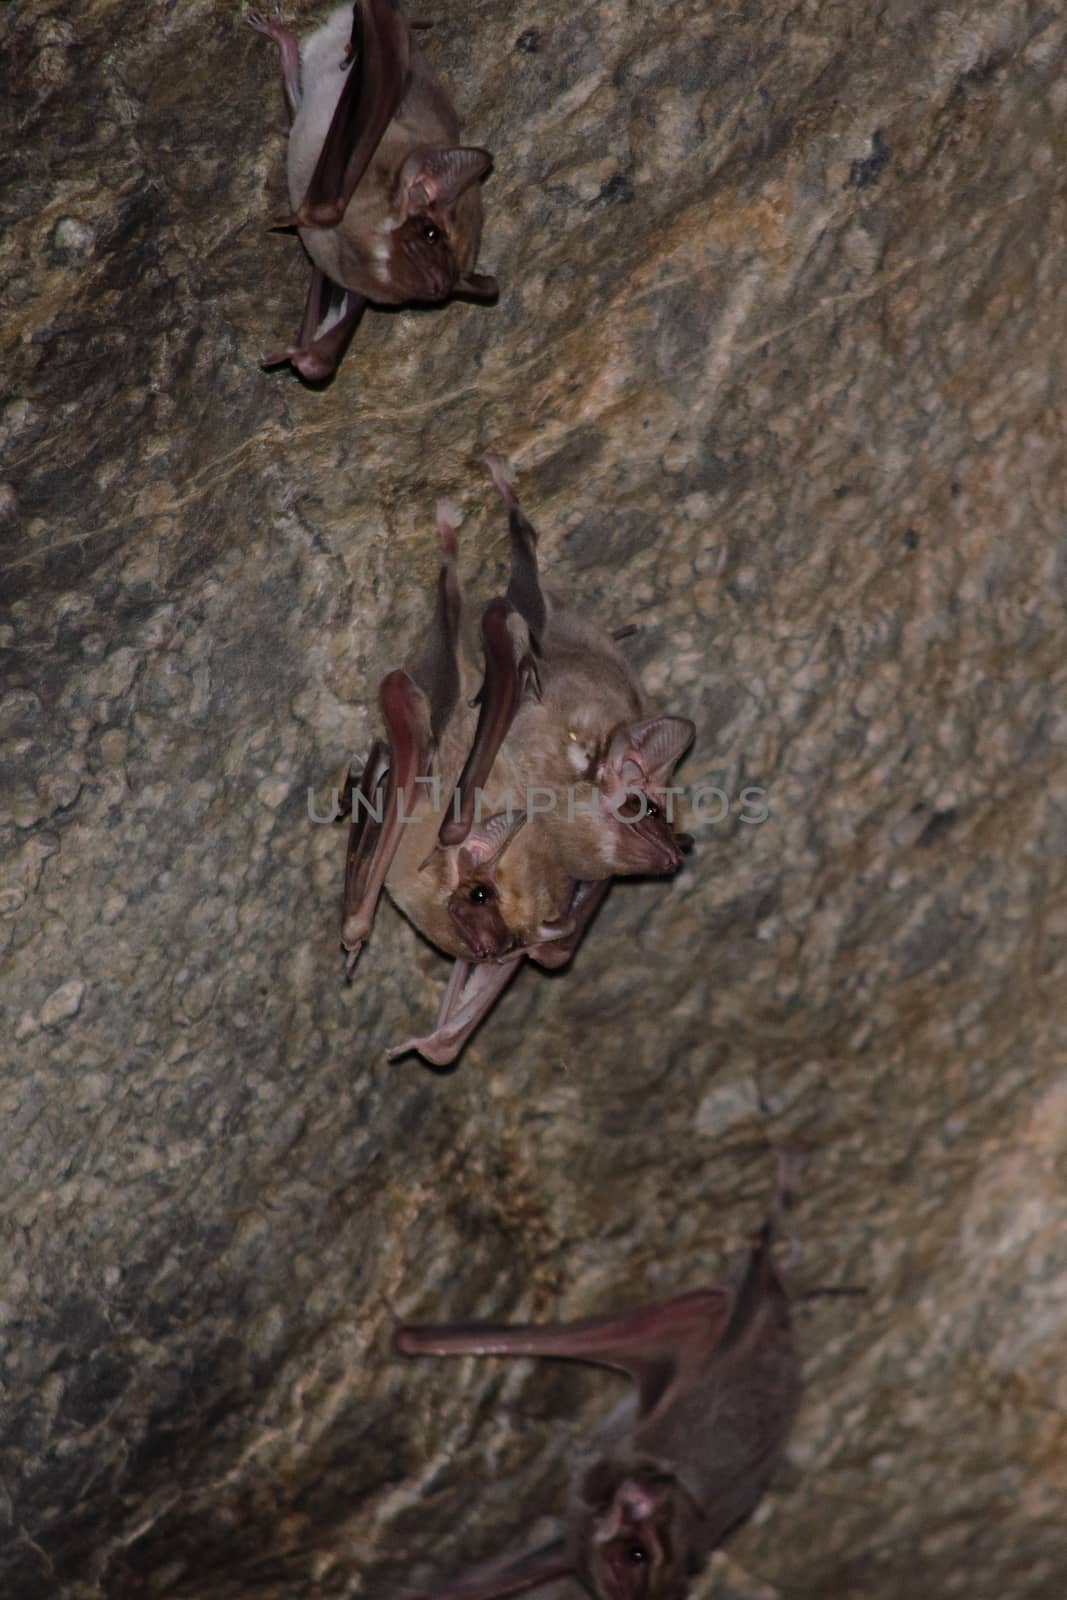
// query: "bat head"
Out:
[437,223]
[475,903]
[634,778]
[638,1543]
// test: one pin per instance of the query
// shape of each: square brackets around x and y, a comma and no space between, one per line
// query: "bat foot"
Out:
[449,517]
[312,367]
[438,1055]
[503,477]
[352,956]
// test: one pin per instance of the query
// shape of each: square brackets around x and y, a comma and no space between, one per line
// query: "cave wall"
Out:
[779,359]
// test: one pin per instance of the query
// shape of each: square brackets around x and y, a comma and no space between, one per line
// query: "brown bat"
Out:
[682,1460]
[559,714]
[386,201]
[500,889]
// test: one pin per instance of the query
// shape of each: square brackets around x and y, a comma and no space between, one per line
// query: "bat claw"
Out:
[503,477]
[261,23]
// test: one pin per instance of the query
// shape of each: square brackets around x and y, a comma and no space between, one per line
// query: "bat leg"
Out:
[404,710]
[471,992]
[288,52]
[524,588]
[330,316]
[438,672]
[500,695]
[507,1575]
[585,903]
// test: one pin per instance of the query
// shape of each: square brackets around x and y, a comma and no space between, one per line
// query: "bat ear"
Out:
[437,177]
[653,747]
[488,840]
[478,285]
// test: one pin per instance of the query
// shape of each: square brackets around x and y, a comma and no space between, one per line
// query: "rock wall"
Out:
[779,358]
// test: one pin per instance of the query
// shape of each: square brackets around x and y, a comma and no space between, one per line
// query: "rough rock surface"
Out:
[780,358]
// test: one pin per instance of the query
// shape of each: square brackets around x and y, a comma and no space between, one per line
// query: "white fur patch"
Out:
[332,318]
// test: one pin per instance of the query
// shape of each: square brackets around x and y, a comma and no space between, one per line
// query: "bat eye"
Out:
[636,1555]
[480,894]
[653,809]
[431,232]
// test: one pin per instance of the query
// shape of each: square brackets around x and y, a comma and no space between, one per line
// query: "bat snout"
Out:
[649,845]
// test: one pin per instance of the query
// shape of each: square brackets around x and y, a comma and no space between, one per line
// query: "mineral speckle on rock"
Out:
[807,436]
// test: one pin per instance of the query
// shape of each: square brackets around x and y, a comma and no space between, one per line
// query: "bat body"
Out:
[685,1456]
[586,733]
[512,787]
[501,888]
[386,201]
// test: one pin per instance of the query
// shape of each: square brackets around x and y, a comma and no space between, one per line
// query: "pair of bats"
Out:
[385,199]
[683,1458]
[507,793]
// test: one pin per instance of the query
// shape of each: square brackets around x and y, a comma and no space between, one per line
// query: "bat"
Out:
[386,201]
[552,712]
[500,888]
[685,1456]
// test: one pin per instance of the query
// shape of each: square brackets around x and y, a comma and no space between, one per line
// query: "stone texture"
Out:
[779,356]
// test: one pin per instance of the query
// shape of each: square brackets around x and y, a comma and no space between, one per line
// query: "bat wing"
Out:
[501,694]
[556,951]
[330,315]
[374,87]
[371,849]
[438,671]
[471,992]
[507,1575]
[524,587]
[650,1345]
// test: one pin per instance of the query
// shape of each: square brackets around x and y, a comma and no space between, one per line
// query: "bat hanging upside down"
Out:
[387,203]
[506,795]
[684,1457]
